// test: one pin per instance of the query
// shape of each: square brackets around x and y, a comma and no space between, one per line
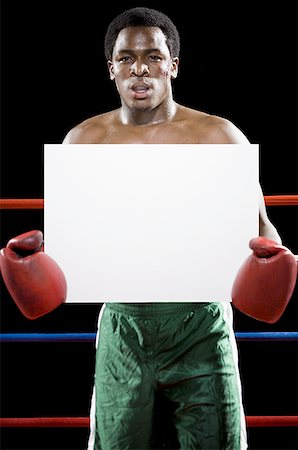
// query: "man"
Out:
[141,356]
[182,355]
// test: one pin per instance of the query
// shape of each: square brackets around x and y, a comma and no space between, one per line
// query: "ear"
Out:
[111,70]
[174,67]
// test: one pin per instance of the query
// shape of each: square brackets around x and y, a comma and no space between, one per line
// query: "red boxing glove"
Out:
[266,280]
[33,279]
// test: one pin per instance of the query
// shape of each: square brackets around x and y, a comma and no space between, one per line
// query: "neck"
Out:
[163,113]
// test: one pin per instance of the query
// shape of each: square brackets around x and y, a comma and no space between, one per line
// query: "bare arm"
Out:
[227,132]
[266,228]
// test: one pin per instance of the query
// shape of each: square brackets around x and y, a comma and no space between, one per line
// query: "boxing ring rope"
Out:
[22,203]
[84,422]
[90,337]
[38,203]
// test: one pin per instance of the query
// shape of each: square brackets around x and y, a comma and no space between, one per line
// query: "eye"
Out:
[124,59]
[155,58]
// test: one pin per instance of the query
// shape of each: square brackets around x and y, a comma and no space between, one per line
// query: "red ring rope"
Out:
[22,203]
[272,421]
[83,422]
[31,203]
[45,422]
[281,200]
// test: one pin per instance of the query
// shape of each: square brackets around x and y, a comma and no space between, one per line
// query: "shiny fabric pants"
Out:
[166,377]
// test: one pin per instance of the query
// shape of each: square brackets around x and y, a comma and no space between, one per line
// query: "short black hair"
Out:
[141,16]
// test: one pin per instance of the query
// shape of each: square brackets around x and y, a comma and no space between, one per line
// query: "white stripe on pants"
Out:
[93,400]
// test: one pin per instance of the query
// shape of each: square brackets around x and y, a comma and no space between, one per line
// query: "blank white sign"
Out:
[150,223]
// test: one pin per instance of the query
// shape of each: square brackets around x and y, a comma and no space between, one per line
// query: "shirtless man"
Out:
[140,356]
[142,52]
[183,354]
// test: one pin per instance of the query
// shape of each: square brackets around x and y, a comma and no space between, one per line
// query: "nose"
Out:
[139,68]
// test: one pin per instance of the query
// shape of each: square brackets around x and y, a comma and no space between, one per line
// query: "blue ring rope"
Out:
[47,337]
[90,337]
[267,336]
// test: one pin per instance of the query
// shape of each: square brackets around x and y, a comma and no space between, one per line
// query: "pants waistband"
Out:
[153,309]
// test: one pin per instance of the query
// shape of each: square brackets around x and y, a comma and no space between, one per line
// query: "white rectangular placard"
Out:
[150,223]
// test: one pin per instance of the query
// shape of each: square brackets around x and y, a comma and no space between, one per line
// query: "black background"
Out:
[238,60]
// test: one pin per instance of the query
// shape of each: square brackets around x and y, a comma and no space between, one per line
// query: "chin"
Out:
[141,107]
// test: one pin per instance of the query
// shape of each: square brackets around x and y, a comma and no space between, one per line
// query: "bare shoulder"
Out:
[213,129]
[222,131]
[90,131]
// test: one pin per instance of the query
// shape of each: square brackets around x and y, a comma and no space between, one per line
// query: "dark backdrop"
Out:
[238,60]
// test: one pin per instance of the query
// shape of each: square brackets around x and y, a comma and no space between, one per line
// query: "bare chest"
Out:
[157,134]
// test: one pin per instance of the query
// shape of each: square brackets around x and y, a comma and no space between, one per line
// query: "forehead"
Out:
[140,38]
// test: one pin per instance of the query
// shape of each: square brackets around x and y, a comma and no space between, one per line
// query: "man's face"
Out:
[142,67]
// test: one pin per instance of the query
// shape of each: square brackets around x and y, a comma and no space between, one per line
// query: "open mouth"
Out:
[140,91]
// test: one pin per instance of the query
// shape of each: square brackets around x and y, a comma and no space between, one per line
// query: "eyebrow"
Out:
[146,50]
